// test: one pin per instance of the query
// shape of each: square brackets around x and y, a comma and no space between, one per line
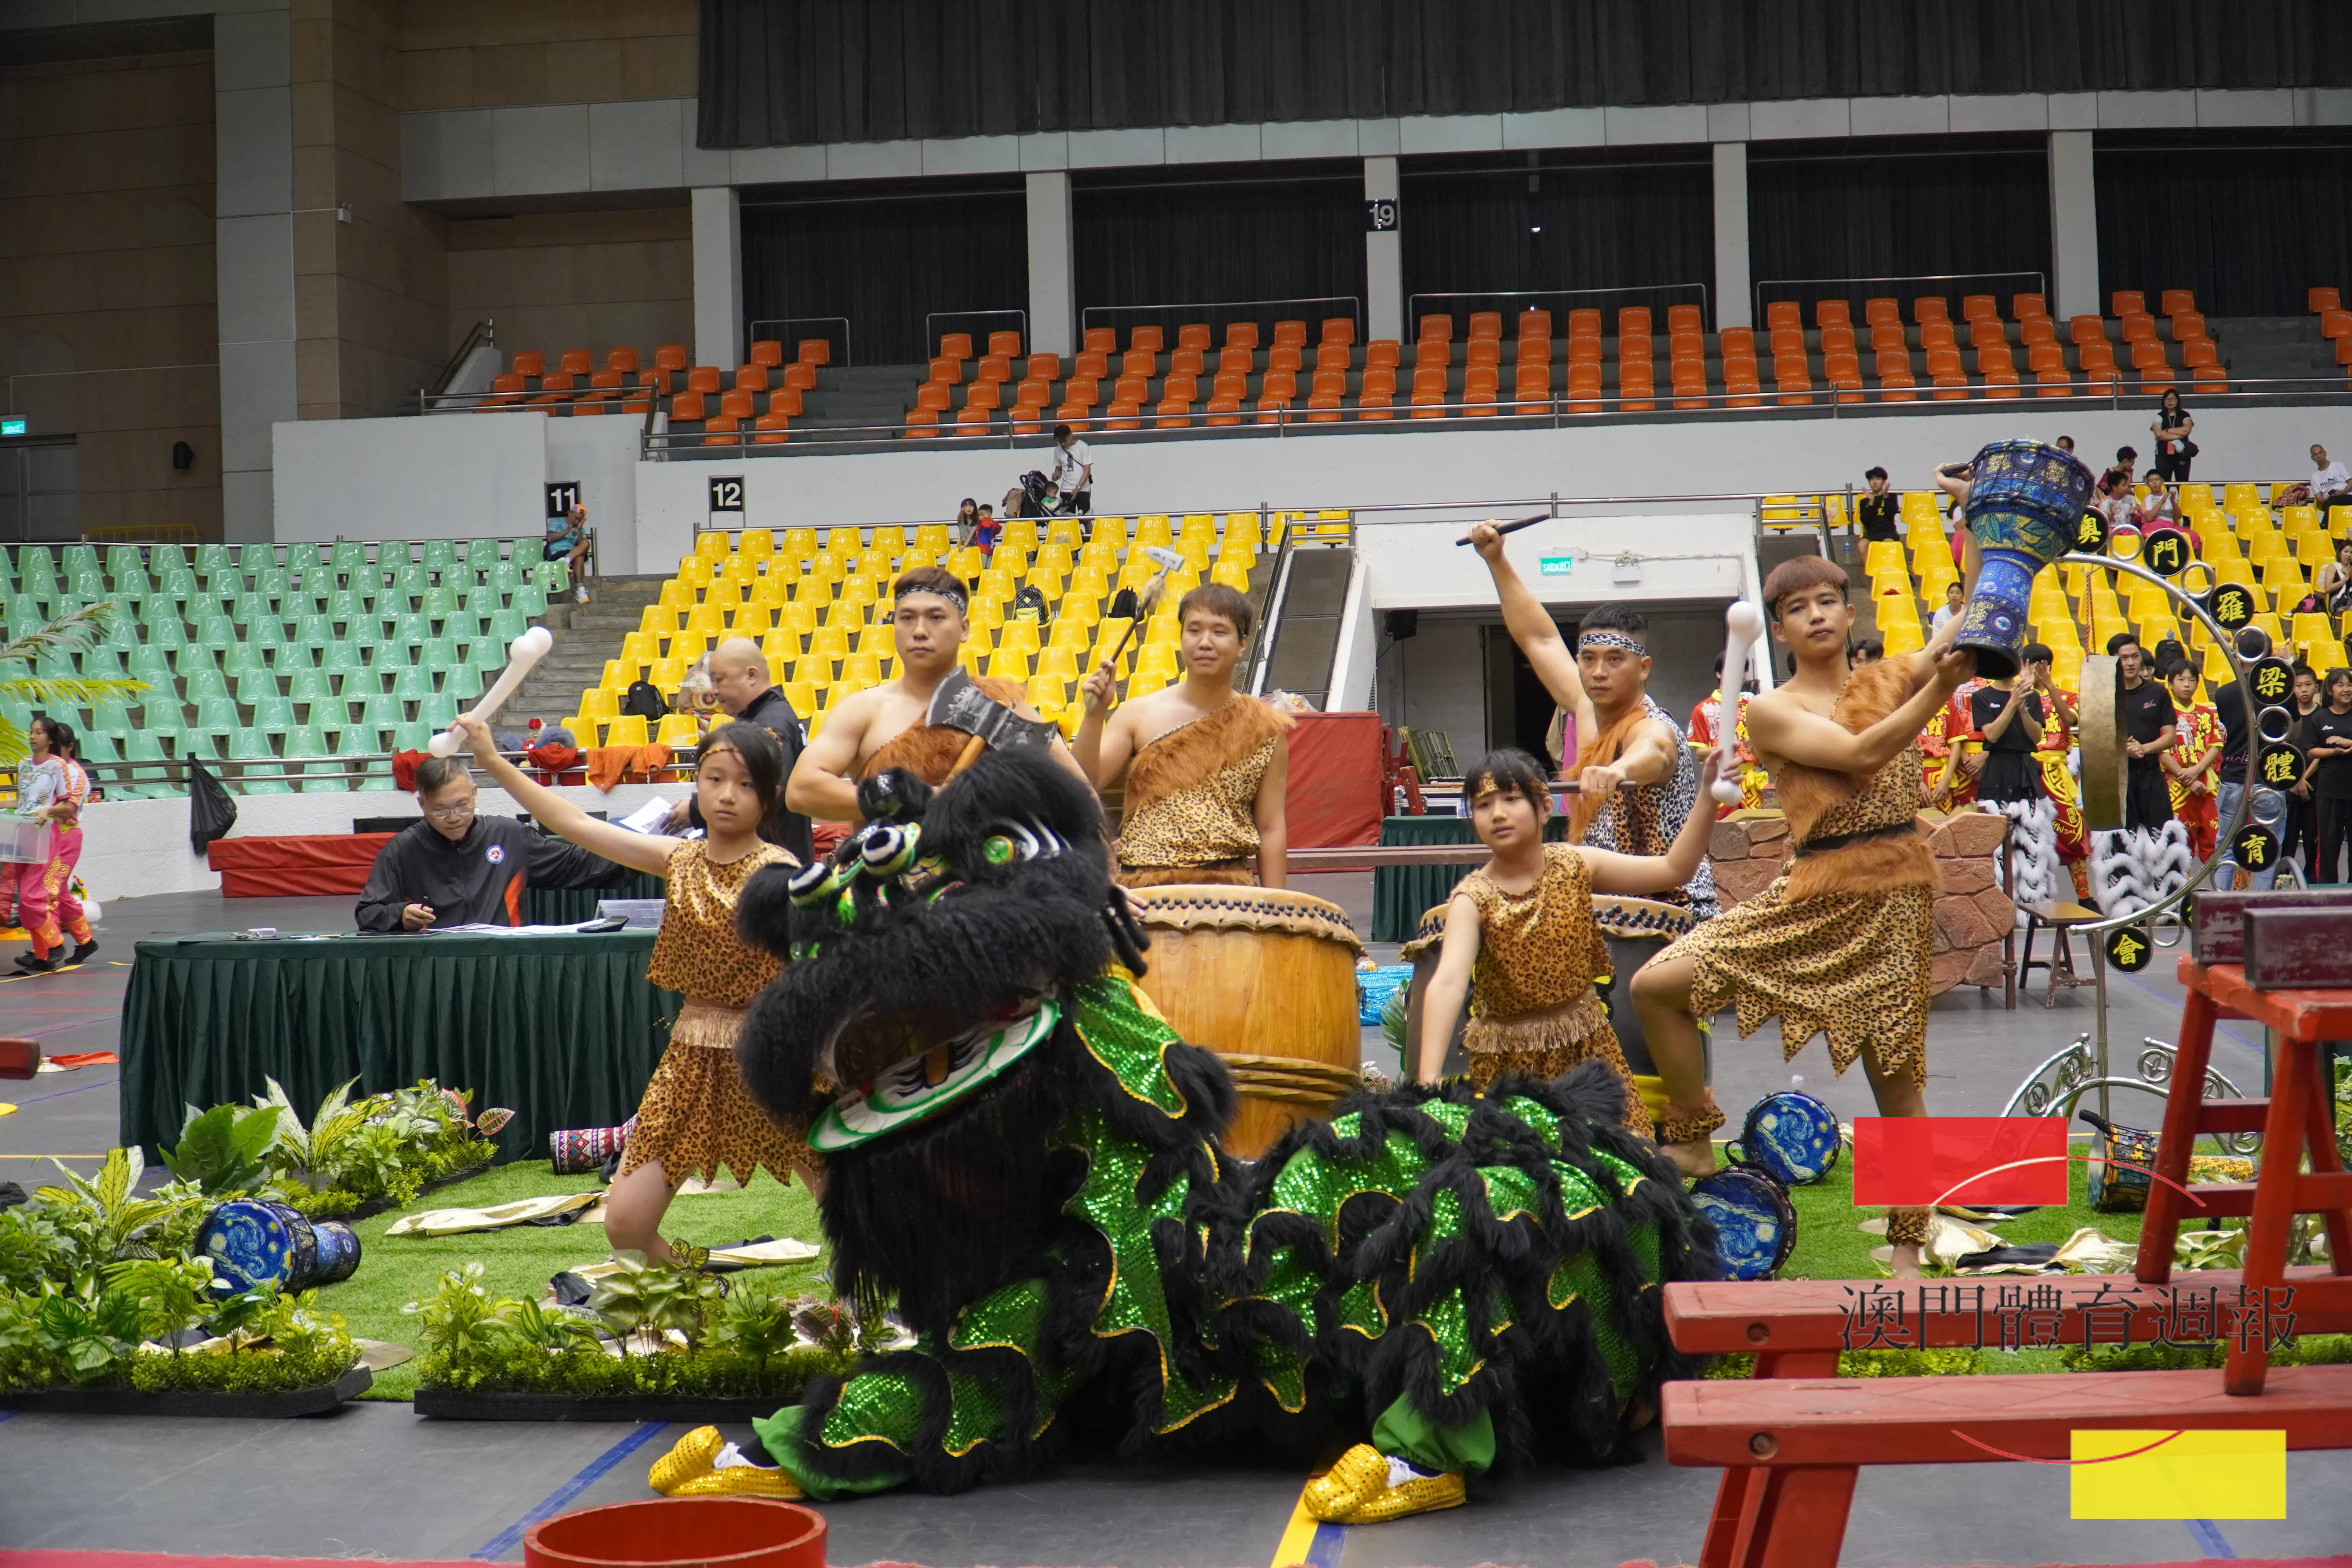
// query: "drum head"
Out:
[1791,1137]
[1754,1224]
[1205,906]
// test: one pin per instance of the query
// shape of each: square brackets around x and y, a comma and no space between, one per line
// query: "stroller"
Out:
[1035,496]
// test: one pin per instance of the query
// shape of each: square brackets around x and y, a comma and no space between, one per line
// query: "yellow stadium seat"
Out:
[935,538]
[1110,529]
[1020,535]
[1058,662]
[1009,663]
[860,671]
[797,543]
[986,614]
[1153,529]
[1199,525]
[584,730]
[829,642]
[1065,530]
[1233,575]
[599,704]
[966,563]
[1021,635]
[706,620]
[2241,496]
[758,543]
[713,544]
[2325,655]
[890,539]
[667,671]
[627,729]
[1882,555]
[678,731]
[2311,631]
[801,695]
[1048,693]
[778,668]
[843,541]
[858,591]
[797,618]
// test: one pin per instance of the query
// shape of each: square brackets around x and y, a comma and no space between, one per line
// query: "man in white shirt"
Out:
[1073,472]
[2326,488]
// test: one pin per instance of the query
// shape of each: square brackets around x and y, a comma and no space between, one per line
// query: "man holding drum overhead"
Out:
[1206,764]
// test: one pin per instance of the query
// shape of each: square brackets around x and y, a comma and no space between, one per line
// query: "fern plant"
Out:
[310,1150]
[67,635]
[105,1220]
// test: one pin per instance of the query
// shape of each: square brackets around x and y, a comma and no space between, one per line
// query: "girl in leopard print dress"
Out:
[696,1118]
[1521,942]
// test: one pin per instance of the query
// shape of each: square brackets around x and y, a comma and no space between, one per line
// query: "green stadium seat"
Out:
[412,627]
[409,581]
[121,637]
[123,560]
[509,624]
[55,664]
[411,736]
[439,654]
[342,656]
[273,582]
[306,740]
[101,664]
[313,630]
[462,681]
[349,558]
[143,745]
[91,585]
[192,659]
[348,604]
[98,746]
[81,557]
[153,665]
[109,716]
[304,684]
[176,576]
[389,655]
[439,709]
[241,655]
[217,632]
[273,714]
[24,607]
[16,710]
[267,633]
[530,599]
[253,685]
[256,557]
[37,571]
[216,716]
[413,684]
[167,633]
[210,559]
[485,653]
[440,600]
[503,578]
[440,554]
[381,712]
[252,745]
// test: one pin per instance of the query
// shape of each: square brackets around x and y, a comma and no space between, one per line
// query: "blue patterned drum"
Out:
[252,1241]
[1791,1137]
[2024,503]
[339,1251]
[1754,1224]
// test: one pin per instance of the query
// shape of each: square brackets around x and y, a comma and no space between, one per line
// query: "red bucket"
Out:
[681,1533]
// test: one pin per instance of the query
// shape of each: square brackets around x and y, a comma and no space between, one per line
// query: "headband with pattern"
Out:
[1608,640]
[953,594]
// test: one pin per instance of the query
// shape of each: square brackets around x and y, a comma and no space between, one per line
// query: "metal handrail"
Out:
[1763,284]
[752,332]
[1355,304]
[235,771]
[483,332]
[932,337]
[1412,315]
[1559,409]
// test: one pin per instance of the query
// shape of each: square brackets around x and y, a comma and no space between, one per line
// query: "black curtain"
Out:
[885,259]
[1203,239]
[1480,229]
[1827,214]
[784,72]
[2248,228]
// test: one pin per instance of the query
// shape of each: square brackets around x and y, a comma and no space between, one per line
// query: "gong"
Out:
[2103,759]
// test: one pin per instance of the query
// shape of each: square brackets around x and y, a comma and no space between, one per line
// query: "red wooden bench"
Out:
[1793,1438]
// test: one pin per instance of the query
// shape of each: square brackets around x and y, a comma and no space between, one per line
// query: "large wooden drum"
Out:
[1267,979]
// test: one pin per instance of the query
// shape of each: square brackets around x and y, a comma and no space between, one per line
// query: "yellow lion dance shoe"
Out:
[691,1458]
[1366,1488]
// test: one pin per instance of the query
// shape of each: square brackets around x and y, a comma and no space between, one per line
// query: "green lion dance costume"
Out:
[1022,1164]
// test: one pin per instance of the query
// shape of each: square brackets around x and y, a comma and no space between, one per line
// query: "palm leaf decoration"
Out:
[67,635]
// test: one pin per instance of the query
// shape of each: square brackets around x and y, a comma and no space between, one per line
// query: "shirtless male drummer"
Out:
[1206,764]
[882,726]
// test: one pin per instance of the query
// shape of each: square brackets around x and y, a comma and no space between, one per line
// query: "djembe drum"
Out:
[1267,979]
[2024,503]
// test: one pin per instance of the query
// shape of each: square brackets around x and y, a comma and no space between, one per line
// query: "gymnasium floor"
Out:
[373,1480]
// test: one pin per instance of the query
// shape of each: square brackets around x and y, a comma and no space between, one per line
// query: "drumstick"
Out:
[1743,623]
[1513,527]
[524,655]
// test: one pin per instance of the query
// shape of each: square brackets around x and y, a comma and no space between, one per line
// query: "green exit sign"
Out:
[12,425]
[1558,565]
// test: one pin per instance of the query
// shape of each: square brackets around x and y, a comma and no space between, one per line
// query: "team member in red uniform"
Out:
[2189,766]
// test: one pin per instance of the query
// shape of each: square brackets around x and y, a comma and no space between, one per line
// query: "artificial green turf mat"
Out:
[517,1262]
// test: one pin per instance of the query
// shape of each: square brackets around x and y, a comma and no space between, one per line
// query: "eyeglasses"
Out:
[457,813]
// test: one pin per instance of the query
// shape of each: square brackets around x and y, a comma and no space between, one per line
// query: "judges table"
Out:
[563,1029]
[1401,893]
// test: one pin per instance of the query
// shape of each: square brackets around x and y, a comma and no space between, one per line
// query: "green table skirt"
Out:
[569,906]
[1401,893]
[561,1030]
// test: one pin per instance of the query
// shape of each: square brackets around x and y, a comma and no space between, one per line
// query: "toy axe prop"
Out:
[961,704]
[1135,606]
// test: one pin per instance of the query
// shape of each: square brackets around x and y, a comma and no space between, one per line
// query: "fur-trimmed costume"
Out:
[930,752]
[1190,808]
[1023,1160]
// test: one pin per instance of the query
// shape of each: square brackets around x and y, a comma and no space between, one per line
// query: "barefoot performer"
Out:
[1841,942]
[1205,763]
[888,726]
[696,1118]
[1520,938]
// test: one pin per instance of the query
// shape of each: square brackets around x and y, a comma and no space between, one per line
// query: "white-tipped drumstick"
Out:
[524,655]
[1743,623]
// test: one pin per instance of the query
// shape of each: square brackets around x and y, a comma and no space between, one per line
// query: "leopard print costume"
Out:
[695,1117]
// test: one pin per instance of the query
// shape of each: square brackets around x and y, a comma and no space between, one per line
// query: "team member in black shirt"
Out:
[456,869]
[1880,509]
[738,680]
[2327,741]
[2009,715]
[2148,728]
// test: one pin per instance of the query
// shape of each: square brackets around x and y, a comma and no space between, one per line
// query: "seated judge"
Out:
[456,869]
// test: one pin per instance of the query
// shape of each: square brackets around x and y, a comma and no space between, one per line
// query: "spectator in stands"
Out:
[2327,738]
[567,540]
[1955,601]
[1954,479]
[1869,650]
[986,529]
[967,523]
[2127,459]
[2150,727]
[2333,587]
[454,868]
[739,685]
[2066,445]
[2160,509]
[2115,497]
[1880,509]
[2327,487]
[1073,472]
[2173,447]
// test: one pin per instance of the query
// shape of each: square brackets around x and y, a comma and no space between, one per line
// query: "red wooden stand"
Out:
[2295,1120]
[1793,1439]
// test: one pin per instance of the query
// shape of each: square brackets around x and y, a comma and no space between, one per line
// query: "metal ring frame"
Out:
[2244,668]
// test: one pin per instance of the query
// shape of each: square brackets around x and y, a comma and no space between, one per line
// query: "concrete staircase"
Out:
[585,637]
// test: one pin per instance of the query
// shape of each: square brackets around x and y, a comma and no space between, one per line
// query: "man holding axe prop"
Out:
[933,719]
[1206,764]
